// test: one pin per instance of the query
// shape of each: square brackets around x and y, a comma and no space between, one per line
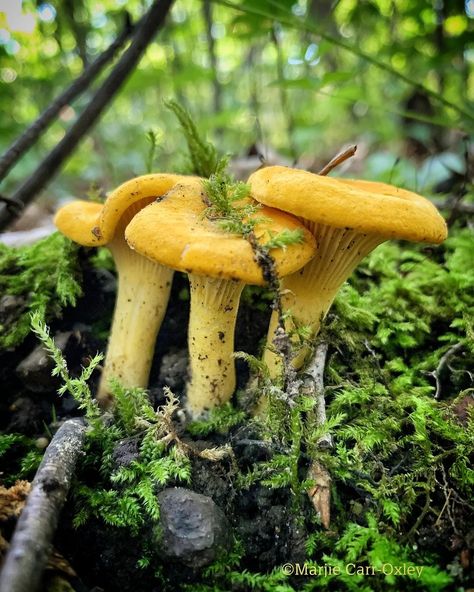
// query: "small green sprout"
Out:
[154,138]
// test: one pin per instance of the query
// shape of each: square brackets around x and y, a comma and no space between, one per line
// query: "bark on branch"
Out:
[144,33]
[34,131]
[211,47]
[30,545]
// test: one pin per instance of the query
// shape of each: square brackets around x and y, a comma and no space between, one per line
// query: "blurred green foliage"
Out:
[300,77]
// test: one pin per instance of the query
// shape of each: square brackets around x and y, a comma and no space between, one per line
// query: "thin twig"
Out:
[447,490]
[31,542]
[424,510]
[281,340]
[338,159]
[437,374]
[144,33]
[313,386]
[29,137]
[213,61]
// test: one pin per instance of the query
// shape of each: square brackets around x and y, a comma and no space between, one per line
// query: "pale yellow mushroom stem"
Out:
[309,293]
[214,307]
[142,296]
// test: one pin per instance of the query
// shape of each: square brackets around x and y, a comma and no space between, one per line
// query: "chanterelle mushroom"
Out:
[349,219]
[143,285]
[175,232]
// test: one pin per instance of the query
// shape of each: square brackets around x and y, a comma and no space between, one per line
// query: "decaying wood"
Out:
[147,29]
[12,499]
[58,563]
[12,502]
[34,131]
[31,542]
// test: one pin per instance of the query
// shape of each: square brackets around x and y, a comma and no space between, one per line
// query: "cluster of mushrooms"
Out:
[156,224]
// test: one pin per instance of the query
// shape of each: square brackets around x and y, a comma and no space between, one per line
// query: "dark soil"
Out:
[106,557]
[264,518]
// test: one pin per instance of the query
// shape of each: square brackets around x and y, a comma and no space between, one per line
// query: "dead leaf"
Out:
[320,493]
[57,562]
[12,500]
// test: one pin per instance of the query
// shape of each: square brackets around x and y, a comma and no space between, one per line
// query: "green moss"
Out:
[203,155]
[220,420]
[225,197]
[19,457]
[402,460]
[45,277]
[123,496]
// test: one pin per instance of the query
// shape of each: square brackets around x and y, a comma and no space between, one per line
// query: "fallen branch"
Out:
[34,131]
[31,542]
[144,33]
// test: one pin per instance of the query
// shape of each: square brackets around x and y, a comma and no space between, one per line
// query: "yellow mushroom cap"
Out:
[92,224]
[76,220]
[365,206]
[175,232]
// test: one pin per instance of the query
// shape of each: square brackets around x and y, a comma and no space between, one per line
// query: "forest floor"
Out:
[399,474]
